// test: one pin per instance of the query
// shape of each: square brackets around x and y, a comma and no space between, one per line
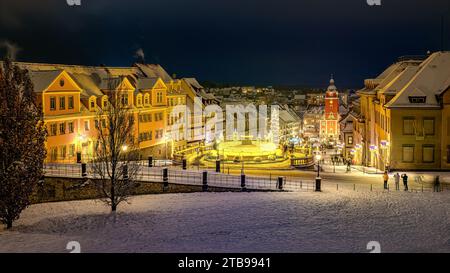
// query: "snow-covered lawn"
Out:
[343,221]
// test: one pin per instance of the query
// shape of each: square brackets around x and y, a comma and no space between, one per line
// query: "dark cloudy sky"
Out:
[266,42]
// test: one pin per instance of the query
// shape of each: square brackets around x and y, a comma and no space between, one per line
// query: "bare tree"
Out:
[22,142]
[116,152]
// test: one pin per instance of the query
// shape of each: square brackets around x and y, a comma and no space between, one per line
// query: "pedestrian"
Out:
[437,184]
[405,181]
[397,181]
[385,178]
[349,165]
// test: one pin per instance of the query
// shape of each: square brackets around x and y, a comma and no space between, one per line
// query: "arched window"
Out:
[146,99]
[92,103]
[139,100]
[104,101]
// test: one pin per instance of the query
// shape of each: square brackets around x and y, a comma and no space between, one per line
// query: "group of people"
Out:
[397,176]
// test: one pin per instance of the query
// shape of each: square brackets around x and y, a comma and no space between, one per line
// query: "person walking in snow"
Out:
[405,181]
[385,179]
[397,181]
[437,184]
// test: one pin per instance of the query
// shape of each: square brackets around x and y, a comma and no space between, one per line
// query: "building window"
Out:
[52,103]
[62,128]
[70,102]
[54,153]
[408,153]
[62,103]
[428,126]
[104,101]
[53,129]
[70,125]
[448,154]
[428,153]
[72,150]
[408,125]
[86,125]
[96,124]
[103,123]
[350,140]
[92,106]
[62,151]
[159,97]
[417,99]
[124,99]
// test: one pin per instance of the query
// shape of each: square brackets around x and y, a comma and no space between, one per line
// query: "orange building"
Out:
[70,96]
[329,125]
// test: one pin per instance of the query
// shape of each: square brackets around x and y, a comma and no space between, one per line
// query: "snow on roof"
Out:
[400,80]
[93,79]
[42,79]
[431,79]
[154,71]
[87,83]
[194,83]
[146,83]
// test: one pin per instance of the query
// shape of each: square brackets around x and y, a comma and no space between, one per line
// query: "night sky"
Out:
[261,42]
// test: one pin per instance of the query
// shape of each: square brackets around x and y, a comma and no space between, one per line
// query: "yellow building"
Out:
[71,95]
[404,117]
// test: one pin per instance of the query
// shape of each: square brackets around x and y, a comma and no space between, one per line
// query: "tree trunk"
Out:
[9,224]
[113,207]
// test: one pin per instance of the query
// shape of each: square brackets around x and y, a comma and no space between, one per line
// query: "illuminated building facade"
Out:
[329,125]
[70,96]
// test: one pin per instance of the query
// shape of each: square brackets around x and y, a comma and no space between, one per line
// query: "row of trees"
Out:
[22,145]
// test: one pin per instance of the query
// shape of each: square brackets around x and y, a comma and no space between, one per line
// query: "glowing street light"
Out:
[124,148]
[318,179]
[318,158]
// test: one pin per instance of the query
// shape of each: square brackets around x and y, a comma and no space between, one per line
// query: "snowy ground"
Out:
[343,221]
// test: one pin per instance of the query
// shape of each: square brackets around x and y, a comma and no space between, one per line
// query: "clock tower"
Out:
[329,127]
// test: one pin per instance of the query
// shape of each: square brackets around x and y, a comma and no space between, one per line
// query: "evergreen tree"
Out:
[22,141]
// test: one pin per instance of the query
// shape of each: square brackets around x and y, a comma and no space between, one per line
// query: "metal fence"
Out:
[176,175]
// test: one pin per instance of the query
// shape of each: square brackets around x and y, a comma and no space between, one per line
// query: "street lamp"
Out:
[318,179]
[318,158]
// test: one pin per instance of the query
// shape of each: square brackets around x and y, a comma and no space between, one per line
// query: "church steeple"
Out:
[331,90]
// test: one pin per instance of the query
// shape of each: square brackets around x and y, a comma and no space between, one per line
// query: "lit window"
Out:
[62,103]
[408,153]
[428,153]
[70,125]
[408,125]
[70,102]
[52,103]
[428,126]
[62,128]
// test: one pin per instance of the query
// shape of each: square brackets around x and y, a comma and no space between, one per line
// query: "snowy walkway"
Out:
[343,221]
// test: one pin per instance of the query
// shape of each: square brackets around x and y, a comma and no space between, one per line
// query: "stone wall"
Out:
[55,189]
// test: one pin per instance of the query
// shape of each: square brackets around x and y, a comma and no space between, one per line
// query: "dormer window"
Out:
[417,99]
[92,104]
[139,100]
[104,102]
[124,99]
